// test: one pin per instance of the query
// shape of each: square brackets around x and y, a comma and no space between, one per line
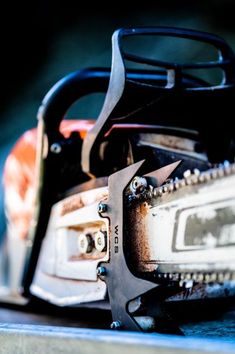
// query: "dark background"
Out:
[45,40]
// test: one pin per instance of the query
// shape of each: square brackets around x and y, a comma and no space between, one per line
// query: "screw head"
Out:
[101,271]
[138,184]
[100,241]
[102,208]
[85,243]
[116,325]
[56,148]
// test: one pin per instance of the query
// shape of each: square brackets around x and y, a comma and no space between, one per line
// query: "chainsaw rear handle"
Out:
[69,90]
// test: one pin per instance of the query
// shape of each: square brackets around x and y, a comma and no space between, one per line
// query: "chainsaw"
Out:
[136,208]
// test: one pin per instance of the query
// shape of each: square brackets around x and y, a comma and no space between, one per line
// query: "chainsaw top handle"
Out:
[122,91]
[225,54]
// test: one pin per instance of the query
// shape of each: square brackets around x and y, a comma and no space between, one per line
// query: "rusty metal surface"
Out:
[138,239]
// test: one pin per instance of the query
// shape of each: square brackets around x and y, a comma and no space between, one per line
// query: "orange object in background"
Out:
[19,176]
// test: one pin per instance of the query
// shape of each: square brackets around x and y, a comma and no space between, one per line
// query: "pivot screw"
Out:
[101,271]
[56,148]
[138,185]
[116,325]
[102,208]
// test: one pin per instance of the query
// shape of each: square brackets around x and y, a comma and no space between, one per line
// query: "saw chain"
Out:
[194,217]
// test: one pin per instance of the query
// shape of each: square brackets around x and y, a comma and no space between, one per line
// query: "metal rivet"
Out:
[56,148]
[201,178]
[226,164]
[116,325]
[102,208]
[187,174]
[196,171]
[214,173]
[221,172]
[165,189]
[101,271]
[155,192]
[182,183]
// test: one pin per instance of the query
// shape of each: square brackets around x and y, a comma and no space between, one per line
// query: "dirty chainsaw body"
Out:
[138,208]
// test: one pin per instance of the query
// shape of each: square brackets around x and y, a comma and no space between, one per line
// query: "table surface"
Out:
[54,330]
[217,326]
